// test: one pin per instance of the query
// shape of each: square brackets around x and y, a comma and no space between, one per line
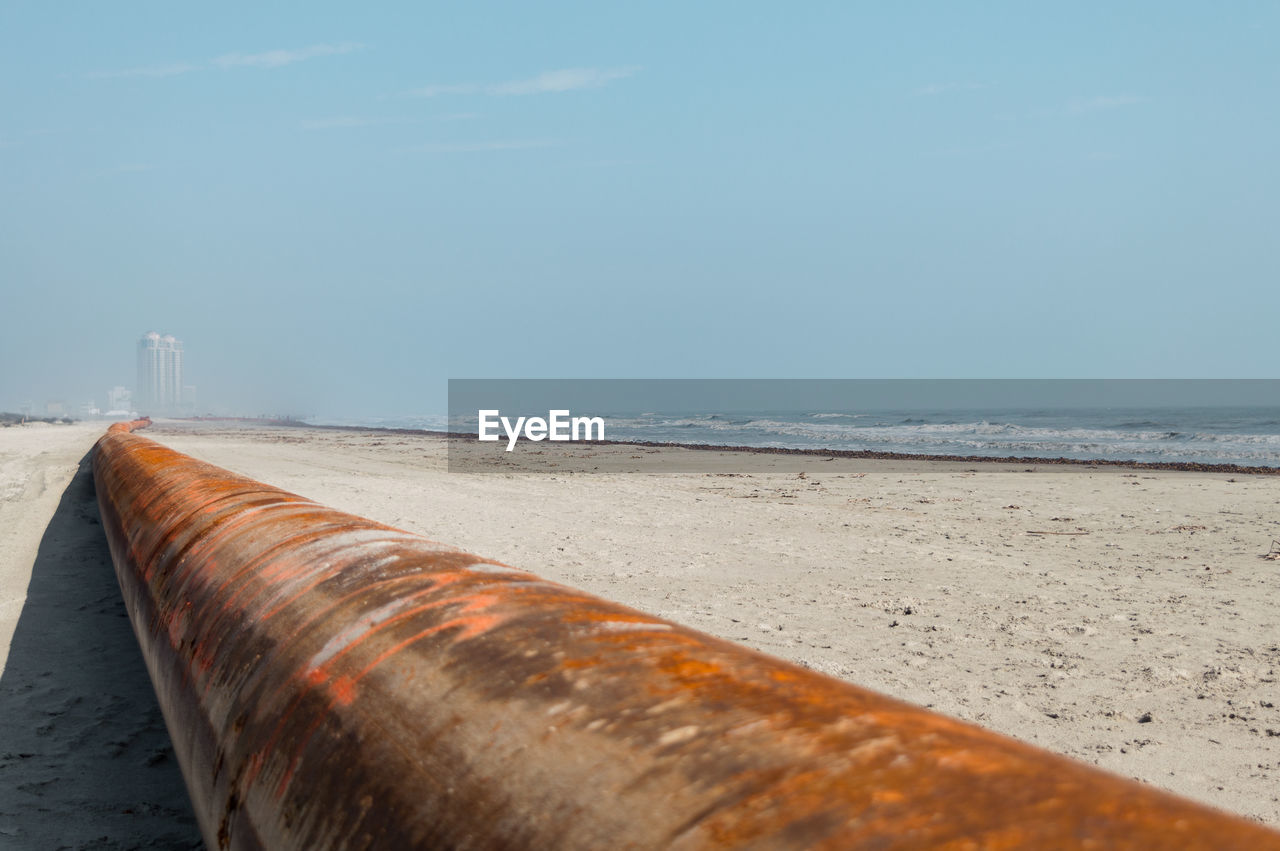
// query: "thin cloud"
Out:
[475,147]
[151,71]
[279,58]
[436,90]
[567,80]
[348,121]
[267,59]
[548,82]
[1100,103]
[935,89]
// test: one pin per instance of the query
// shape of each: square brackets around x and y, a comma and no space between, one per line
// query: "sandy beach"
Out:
[1139,633]
[85,760]
[1124,617]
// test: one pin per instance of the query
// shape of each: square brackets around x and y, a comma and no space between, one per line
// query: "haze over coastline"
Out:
[336,212]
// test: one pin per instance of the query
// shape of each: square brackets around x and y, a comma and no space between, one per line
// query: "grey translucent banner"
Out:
[722,425]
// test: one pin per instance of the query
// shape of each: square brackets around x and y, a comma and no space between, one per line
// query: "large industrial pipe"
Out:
[330,682]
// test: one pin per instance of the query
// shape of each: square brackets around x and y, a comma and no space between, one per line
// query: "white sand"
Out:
[912,578]
[37,462]
[85,761]
[916,579]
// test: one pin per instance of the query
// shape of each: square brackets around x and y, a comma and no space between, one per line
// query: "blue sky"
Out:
[337,209]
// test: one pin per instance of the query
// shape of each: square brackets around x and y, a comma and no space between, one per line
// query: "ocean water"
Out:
[1247,436]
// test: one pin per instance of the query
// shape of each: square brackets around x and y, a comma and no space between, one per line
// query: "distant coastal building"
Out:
[119,400]
[159,389]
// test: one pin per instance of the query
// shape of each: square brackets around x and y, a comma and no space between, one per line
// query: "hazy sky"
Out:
[336,208]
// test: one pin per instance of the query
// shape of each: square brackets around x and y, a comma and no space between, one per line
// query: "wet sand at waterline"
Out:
[1126,618]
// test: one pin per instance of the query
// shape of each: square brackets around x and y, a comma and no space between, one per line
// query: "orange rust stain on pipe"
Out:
[331,682]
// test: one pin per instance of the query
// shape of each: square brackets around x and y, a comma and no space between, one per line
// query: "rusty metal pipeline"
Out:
[331,682]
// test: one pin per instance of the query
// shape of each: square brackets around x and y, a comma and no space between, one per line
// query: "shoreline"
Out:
[854,454]
[1120,618]
[1123,619]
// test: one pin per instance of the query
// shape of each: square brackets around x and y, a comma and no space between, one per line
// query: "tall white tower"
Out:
[159,388]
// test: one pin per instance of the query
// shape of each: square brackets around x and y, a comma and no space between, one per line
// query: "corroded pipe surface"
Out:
[331,682]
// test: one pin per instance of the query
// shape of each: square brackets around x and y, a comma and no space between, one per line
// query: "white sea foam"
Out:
[1231,436]
[1191,435]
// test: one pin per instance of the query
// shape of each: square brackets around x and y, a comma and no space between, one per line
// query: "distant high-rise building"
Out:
[119,400]
[159,389]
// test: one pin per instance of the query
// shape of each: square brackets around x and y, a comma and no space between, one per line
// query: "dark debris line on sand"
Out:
[867,454]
